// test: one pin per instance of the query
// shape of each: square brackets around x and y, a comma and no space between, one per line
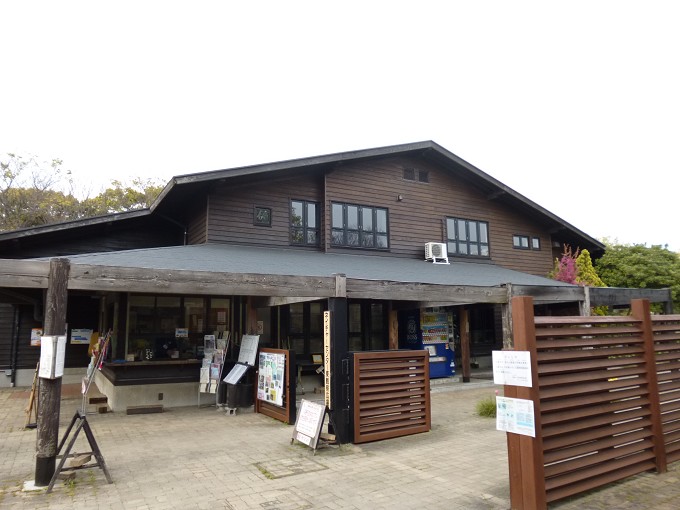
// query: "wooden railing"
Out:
[606,394]
[391,394]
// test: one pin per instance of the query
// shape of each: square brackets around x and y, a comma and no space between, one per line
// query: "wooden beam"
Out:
[611,296]
[27,274]
[264,302]
[125,279]
[549,294]
[372,289]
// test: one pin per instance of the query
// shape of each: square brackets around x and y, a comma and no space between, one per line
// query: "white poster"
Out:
[512,368]
[235,374]
[52,354]
[248,351]
[515,415]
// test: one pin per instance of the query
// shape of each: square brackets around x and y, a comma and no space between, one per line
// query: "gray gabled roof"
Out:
[225,258]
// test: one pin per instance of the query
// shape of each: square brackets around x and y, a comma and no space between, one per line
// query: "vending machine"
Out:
[430,331]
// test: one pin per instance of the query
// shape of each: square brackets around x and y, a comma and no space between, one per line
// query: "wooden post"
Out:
[640,310]
[525,453]
[49,396]
[393,329]
[465,342]
[507,319]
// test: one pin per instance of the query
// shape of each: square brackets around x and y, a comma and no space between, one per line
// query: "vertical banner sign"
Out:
[327,358]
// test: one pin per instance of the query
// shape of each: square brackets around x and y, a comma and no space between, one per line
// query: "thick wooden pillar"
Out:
[525,453]
[340,397]
[465,343]
[49,396]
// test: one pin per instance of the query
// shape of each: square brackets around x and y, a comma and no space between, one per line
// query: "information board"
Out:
[515,415]
[308,423]
[270,378]
[248,351]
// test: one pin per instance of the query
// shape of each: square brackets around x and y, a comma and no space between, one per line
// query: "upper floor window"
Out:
[304,222]
[522,242]
[411,174]
[467,237]
[359,226]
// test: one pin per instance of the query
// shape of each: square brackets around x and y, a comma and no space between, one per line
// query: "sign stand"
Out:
[99,459]
[308,425]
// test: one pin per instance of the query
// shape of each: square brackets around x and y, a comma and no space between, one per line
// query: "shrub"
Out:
[487,407]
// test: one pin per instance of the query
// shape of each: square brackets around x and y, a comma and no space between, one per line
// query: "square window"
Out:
[423,176]
[535,243]
[262,216]
[409,174]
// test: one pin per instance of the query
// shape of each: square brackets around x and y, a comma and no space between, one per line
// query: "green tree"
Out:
[640,266]
[34,193]
[577,268]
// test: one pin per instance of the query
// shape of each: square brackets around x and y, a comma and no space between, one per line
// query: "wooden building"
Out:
[268,248]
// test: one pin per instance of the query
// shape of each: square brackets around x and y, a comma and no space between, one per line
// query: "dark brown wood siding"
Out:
[149,232]
[197,225]
[27,356]
[420,216]
[230,210]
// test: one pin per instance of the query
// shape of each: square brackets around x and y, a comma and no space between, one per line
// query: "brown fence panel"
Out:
[667,349]
[391,394]
[287,413]
[597,406]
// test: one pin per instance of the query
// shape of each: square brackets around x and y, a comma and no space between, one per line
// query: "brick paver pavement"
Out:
[202,458]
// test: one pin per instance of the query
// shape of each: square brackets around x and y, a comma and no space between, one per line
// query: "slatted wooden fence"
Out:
[606,393]
[391,394]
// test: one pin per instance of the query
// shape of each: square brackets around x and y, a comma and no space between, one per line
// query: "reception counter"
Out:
[171,383]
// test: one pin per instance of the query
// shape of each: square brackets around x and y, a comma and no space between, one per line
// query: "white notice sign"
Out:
[52,354]
[515,415]
[512,368]
[248,351]
[235,374]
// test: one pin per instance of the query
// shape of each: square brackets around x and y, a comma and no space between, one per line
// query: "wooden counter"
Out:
[152,372]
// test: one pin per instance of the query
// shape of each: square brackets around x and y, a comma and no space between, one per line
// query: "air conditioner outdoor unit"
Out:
[436,252]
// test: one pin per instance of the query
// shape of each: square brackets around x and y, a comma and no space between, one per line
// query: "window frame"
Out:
[481,238]
[361,233]
[305,228]
[517,242]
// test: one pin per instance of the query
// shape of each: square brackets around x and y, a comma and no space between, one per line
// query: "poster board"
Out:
[270,379]
[308,423]
[81,336]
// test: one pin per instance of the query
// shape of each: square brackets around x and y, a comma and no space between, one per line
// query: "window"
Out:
[521,242]
[423,176]
[409,174]
[262,216]
[359,226]
[304,223]
[469,238]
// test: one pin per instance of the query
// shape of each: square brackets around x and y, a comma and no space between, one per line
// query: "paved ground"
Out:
[201,458]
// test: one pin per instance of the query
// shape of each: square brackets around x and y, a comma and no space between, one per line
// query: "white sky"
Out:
[576,105]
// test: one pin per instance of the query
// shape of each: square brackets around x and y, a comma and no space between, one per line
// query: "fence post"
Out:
[525,453]
[640,310]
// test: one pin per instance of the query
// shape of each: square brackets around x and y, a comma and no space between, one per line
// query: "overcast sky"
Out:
[575,105]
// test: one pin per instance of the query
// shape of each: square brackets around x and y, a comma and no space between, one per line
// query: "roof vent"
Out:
[436,252]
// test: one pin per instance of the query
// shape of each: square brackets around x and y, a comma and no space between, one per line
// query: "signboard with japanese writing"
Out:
[52,354]
[327,359]
[512,368]
[515,415]
[308,423]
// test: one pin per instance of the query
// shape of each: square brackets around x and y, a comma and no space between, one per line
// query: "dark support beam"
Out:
[340,397]
[465,342]
[49,396]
